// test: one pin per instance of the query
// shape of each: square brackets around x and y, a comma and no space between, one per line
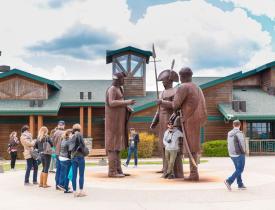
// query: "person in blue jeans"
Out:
[133,147]
[78,160]
[236,150]
[65,162]
[57,138]
[28,144]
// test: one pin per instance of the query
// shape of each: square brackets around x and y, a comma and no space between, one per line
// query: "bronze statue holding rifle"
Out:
[163,114]
[189,101]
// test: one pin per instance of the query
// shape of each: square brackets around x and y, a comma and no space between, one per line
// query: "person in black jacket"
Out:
[133,147]
[44,146]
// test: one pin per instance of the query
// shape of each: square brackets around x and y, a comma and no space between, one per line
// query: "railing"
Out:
[261,146]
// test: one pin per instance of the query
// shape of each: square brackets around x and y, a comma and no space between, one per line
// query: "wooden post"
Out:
[90,123]
[39,122]
[81,118]
[32,124]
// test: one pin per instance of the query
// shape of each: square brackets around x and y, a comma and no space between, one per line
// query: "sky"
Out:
[68,39]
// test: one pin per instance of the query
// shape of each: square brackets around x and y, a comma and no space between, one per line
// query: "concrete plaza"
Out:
[145,190]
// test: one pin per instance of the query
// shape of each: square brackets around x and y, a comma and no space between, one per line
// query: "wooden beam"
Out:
[244,127]
[90,122]
[39,122]
[81,118]
[32,124]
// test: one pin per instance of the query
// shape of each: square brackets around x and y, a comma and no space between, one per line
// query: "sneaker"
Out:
[135,166]
[125,165]
[27,184]
[82,194]
[57,188]
[69,191]
[227,185]
[61,188]
[242,187]
[35,183]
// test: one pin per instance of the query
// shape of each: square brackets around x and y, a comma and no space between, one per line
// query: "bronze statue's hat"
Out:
[119,75]
[168,74]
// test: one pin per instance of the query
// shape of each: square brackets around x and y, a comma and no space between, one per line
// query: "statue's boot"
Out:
[178,167]
[194,174]
[118,166]
[112,165]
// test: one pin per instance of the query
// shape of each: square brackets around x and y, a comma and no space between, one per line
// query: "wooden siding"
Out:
[18,87]
[252,81]
[134,86]
[216,130]
[7,125]
[215,95]
[266,80]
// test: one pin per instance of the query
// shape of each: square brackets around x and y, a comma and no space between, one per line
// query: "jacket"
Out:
[28,144]
[236,143]
[57,138]
[171,139]
[64,149]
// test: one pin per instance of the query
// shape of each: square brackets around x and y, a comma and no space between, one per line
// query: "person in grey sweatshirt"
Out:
[236,150]
[171,142]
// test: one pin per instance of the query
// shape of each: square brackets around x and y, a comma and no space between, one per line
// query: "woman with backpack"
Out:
[78,152]
[12,148]
[44,146]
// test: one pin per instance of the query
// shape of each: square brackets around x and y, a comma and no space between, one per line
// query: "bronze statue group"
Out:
[183,107]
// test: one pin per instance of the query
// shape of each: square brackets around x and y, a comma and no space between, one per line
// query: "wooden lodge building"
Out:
[30,99]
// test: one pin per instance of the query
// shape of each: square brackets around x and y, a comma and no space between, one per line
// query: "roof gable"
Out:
[111,53]
[31,76]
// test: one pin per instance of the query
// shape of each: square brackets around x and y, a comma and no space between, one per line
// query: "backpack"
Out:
[80,147]
[47,149]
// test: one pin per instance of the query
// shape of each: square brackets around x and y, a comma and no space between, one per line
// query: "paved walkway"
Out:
[145,190]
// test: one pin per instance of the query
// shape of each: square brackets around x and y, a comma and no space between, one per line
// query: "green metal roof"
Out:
[257,70]
[52,83]
[111,53]
[259,105]
[221,80]
[68,96]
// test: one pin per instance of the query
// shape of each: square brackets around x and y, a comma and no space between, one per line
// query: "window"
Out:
[259,130]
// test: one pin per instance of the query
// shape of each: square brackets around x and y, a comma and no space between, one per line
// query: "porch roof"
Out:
[259,105]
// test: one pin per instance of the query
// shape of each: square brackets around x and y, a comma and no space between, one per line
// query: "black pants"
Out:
[46,161]
[13,159]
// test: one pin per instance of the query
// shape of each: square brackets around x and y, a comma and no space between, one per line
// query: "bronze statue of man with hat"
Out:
[163,114]
[190,102]
[117,114]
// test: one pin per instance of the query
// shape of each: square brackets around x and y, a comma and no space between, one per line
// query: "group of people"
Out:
[67,146]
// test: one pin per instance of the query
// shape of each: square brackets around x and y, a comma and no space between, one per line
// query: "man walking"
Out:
[133,147]
[236,150]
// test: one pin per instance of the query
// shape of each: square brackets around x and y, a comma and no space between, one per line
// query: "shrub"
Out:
[145,147]
[217,148]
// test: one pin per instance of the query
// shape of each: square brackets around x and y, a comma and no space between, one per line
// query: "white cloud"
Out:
[195,33]
[256,7]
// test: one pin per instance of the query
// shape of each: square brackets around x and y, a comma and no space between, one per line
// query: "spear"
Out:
[154,60]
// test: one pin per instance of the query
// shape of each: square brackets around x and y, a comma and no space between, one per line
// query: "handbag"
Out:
[35,154]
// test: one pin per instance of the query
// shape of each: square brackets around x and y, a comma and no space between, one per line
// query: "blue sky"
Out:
[59,39]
